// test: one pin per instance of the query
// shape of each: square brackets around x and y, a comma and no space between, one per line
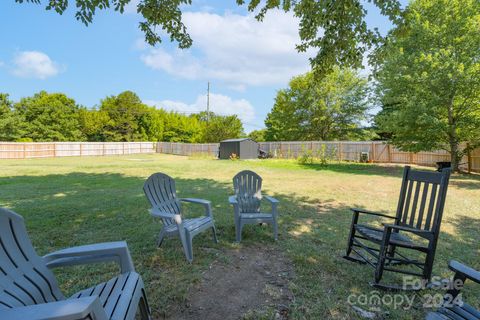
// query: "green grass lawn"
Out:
[74,201]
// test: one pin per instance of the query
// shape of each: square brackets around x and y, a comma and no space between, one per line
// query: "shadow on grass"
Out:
[357,168]
[466,181]
[80,208]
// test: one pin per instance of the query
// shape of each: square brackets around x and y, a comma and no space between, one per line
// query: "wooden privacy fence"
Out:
[187,149]
[22,150]
[376,151]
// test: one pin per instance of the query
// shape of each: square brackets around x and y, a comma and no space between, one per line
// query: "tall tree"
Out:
[92,124]
[49,117]
[336,28]
[258,135]
[128,119]
[330,109]
[429,79]
[219,127]
[10,122]
[180,128]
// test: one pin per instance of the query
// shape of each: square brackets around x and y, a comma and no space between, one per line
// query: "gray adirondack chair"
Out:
[161,193]
[246,203]
[29,290]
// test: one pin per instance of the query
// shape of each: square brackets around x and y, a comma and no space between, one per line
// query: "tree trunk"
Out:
[455,154]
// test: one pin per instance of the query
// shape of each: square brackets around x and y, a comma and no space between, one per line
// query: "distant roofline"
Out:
[236,140]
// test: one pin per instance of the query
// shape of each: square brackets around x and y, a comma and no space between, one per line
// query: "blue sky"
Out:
[245,61]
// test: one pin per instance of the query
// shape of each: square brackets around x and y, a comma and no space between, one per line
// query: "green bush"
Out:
[323,156]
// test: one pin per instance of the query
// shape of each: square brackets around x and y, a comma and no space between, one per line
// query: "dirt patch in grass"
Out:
[245,283]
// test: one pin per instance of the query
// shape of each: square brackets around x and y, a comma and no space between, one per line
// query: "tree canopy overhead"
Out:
[336,28]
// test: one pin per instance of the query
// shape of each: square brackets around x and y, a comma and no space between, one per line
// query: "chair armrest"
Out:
[161,214]
[73,309]
[205,203]
[272,200]
[356,210]
[195,200]
[468,272]
[423,233]
[233,200]
[94,253]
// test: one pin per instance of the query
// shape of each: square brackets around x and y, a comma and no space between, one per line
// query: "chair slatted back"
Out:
[248,190]
[422,199]
[160,191]
[24,278]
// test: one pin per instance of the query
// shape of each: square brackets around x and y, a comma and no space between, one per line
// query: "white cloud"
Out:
[235,49]
[219,103]
[140,44]
[34,64]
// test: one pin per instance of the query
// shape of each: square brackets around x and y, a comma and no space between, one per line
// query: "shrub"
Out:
[323,156]
[306,157]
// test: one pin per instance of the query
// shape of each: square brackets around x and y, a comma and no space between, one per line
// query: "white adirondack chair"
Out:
[29,290]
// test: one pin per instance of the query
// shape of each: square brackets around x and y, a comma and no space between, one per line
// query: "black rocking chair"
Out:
[419,214]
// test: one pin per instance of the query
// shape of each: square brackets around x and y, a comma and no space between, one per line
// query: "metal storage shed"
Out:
[244,148]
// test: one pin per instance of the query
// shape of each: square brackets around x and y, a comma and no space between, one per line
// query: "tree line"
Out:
[425,87]
[124,117]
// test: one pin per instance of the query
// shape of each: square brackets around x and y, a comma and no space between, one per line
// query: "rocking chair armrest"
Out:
[468,272]
[206,203]
[420,232]
[93,253]
[357,210]
[72,309]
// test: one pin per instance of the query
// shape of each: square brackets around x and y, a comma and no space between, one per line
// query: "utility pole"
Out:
[208,101]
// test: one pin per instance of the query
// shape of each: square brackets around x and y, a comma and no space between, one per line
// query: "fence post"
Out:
[81,149]
[389,153]
[54,150]
[469,159]
[373,152]
[24,150]
[103,148]
[339,156]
